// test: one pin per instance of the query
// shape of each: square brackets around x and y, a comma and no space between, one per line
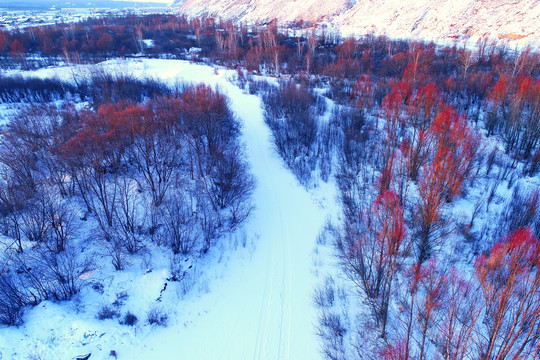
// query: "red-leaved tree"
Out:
[510,284]
[454,146]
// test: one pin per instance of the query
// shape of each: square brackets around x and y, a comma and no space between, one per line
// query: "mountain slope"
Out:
[254,11]
[439,20]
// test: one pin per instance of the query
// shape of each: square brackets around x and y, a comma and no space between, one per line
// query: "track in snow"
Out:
[262,308]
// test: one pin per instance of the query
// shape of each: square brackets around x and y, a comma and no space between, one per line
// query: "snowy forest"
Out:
[424,158]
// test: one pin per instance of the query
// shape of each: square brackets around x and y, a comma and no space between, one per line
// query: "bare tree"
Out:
[130,215]
[182,228]
[373,254]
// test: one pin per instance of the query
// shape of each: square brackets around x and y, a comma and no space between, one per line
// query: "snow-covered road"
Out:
[261,308]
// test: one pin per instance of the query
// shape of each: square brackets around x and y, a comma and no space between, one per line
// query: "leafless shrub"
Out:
[157,316]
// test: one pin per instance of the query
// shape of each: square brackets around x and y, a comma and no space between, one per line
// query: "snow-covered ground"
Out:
[254,302]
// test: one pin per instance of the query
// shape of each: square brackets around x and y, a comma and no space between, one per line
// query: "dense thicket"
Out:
[98,88]
[169,170]
[291,112]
